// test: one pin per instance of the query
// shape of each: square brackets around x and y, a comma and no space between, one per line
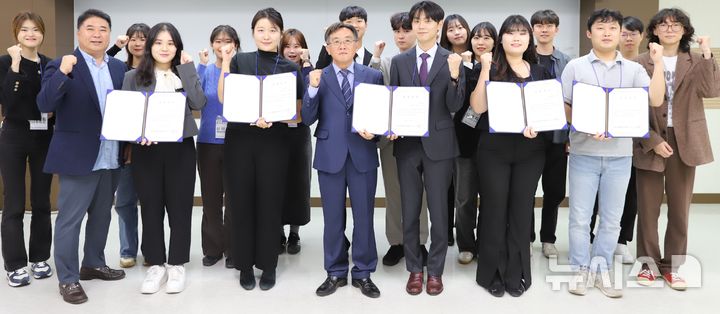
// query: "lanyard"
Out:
[598,80]
[257,63]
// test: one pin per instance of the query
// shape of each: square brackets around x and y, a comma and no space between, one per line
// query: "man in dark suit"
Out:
[344,161]
[74,87]
[357,17]
[428,161]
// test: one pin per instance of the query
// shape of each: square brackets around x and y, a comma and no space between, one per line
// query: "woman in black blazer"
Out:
[164,173]
[24,138]
[511,165]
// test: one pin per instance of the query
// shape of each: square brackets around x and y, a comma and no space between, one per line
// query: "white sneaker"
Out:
[176,279]
[605,284]
[549,249]
[156,276]
[622,250]
[465,257]
[578,284]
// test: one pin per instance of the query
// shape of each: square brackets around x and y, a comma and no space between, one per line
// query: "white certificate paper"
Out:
[545,105]
[371,108]
[505,107]
[628,112]
[410,111]
[249,97]
[588,108]
[123,116]
[165,118]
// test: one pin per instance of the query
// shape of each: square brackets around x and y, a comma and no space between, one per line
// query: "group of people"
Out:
[260,172]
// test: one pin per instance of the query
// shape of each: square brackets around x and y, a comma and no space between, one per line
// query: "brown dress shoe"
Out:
[434,285]
[73,293]
[415,283]
[102,273]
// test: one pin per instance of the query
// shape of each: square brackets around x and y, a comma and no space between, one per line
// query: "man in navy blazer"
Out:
[74,88]
[345,161]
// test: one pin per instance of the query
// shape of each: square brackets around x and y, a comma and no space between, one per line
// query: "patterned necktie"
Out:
[423,68]
[347,92]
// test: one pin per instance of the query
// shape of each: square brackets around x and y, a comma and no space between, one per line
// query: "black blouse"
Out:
[18,91]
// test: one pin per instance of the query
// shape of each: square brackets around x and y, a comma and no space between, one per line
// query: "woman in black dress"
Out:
[256,156]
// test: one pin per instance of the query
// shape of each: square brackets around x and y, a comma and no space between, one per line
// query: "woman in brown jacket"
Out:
[678,143]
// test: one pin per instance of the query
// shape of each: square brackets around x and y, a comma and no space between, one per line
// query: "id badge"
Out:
[41,124]
[220,127]
[470,118]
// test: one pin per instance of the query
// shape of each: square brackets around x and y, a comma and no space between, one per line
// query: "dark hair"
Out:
[444,40]
[23,16]
[477,31]
[146,68]
[604,16]
[227,30]
[137,28]
[338,26]
[431,10]
[351,12]
[673,14]
[268,13]
[510,24]
[632,24]
[401,21]
[93,13]
[545,17]
[292,33]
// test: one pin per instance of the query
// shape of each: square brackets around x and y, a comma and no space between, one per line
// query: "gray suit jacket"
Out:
[193,91]
[446,97]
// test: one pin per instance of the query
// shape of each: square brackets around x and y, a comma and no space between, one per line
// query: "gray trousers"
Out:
[92,194]
[393,208]
[466,198]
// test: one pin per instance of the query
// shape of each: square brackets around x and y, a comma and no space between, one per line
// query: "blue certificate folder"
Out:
[133,116]
[391,110]
[621,112]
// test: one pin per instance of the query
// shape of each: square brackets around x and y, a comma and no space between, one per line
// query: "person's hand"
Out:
[704,42]
[600,137]
[204,56]
[529,132]
[663,149]
[467,56]
[314,78]
[121,41]
[260,123]
[366,135]
[454,61]
[486,60]
[392,137]
[305,55]
[379,48]
[227,52]
[656,52]
[14,52]
[185,57]
[67,63]
[146,142]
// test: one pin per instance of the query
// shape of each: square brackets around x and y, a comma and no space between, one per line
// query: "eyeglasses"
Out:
[630,34]
[675,27]
[338,43]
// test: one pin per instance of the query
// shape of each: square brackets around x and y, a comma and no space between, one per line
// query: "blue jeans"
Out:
[606,177]
[126,207]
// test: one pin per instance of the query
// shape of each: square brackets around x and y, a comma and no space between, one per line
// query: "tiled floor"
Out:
[216,289]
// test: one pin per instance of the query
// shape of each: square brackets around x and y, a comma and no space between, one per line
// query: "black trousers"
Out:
[164,177]
[554,178]
[216,224]
[627,222]
[256,170]
[507,190]
[20,149]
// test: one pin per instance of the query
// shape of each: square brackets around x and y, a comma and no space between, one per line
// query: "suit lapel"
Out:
[117,74]
[412,65]
[682,67]
[359,75]
[367,58]
[439,62]
[332,83]
[82,72]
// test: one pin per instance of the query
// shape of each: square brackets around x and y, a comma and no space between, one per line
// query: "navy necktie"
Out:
[423,68]
[346,90]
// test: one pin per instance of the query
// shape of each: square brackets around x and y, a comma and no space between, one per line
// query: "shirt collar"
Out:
[350,68]
[430,51]
[618,57]
[90,60]
[361,53]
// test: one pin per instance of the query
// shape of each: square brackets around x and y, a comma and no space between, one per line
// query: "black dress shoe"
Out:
[451,239]
[329,286]
[247,279]
[367,287]
[293,243]
[424,252]
[283,245]
[516,292]
[497,289]
[73,293]
[102,273]
[267,280]
[229,263]
[210,260]
[393,255]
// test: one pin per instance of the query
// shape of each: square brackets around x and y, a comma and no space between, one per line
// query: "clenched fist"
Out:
[305,55]
[227,52]
[486,60]
[467,56]
[379,48]
[204,56]
[122,40]
[315,78]
[185,57]
[67,63]
[704,42]
[454,61]
[656,52]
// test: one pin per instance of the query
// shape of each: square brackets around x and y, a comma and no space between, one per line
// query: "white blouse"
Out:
[166,81]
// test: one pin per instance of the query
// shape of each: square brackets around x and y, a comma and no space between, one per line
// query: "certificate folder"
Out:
[514,106]
[249,97]
[391,110]
[134,115]
[615,112]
